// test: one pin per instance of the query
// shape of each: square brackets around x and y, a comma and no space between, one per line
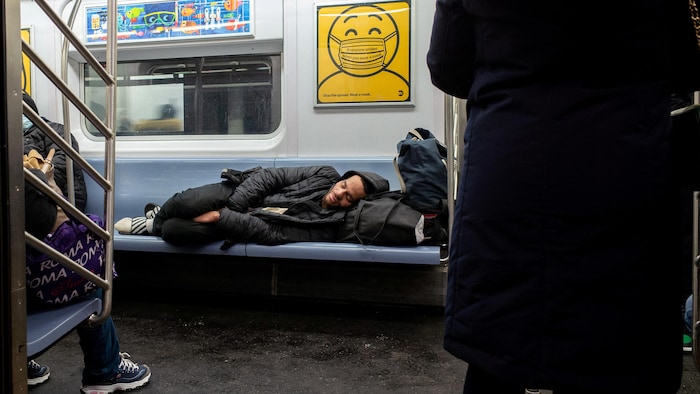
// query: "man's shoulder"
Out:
[58,127]
[326,170]
[55,125]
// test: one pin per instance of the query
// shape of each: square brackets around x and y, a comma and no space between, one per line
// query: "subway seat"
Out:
[139,181]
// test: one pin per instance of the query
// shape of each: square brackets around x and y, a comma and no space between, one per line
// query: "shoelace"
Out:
[33,364]
[126,365]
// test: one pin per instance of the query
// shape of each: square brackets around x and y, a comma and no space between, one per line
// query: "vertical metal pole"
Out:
[70,180]
[110,147]
[455,123]
[696,283]
[14,328]
[452,148]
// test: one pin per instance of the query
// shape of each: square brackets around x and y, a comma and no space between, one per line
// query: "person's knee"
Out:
[178,231]
[170,233]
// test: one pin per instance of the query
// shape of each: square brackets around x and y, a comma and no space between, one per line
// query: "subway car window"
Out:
[229,95]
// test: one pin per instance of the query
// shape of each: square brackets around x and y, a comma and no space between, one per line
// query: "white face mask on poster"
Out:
[26,123]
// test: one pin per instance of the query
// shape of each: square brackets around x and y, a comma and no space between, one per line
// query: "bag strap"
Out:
[418,136]
[414,135]
[356,222]
[402,183]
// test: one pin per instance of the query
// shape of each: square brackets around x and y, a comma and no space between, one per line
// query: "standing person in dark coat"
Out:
[265,205]
[564,246]
[36,139]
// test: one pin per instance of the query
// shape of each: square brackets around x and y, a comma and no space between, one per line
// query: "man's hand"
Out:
[208,217]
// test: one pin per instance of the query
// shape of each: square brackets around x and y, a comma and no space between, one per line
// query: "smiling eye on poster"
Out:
[171,20]
[363,54]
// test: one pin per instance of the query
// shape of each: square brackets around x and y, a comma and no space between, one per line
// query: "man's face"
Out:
[345,193]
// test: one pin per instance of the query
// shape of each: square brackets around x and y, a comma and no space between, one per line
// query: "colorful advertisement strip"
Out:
[166,20]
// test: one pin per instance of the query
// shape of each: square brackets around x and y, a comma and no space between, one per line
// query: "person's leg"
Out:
[100,346]
[179,231]
[193,202]
[106,368]
[479,381]
[242,227]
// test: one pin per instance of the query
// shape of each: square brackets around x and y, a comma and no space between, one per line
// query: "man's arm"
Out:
[269,181]
[242,227]
[452,49]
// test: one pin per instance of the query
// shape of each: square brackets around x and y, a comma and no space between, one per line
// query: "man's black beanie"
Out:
[30,102]
[374,183]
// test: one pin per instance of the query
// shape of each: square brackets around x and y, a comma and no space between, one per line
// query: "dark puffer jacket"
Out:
[35,139]
[299,190]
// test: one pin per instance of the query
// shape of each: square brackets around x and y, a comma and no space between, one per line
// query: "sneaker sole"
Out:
[111,388]
[39,380]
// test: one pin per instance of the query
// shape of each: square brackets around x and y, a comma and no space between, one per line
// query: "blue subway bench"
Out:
[138,181]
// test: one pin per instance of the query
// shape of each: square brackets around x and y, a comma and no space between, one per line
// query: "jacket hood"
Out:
[374,183]
[30,102]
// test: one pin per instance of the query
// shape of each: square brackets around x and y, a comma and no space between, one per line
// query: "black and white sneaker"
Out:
[151,210]
[134,226]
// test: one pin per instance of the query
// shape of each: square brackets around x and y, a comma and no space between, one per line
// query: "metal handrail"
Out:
[67,207]
[455,122]
[67,92]
[105,128]
[66,147]
[696,281]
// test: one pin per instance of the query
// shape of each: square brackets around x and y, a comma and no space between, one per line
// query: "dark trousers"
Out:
[479,381]
[174,220]
[100,346]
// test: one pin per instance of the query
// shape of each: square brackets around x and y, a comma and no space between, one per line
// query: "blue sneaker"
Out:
[129,376]
[37,373]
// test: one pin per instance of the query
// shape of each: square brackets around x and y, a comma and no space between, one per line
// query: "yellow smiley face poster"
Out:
[363,54]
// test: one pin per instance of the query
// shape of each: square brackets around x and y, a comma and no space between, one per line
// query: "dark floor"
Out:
[274,349]
[280,347]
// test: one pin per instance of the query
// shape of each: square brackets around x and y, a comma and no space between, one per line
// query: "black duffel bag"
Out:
[382,219]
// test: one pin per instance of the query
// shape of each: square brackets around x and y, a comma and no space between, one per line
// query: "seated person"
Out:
[106,369]
[264,205]
[36,139]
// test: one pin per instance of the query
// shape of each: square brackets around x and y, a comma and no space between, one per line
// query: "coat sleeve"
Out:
[266,182]
[452,49]
[59,162]
[684,48]
[242,227]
